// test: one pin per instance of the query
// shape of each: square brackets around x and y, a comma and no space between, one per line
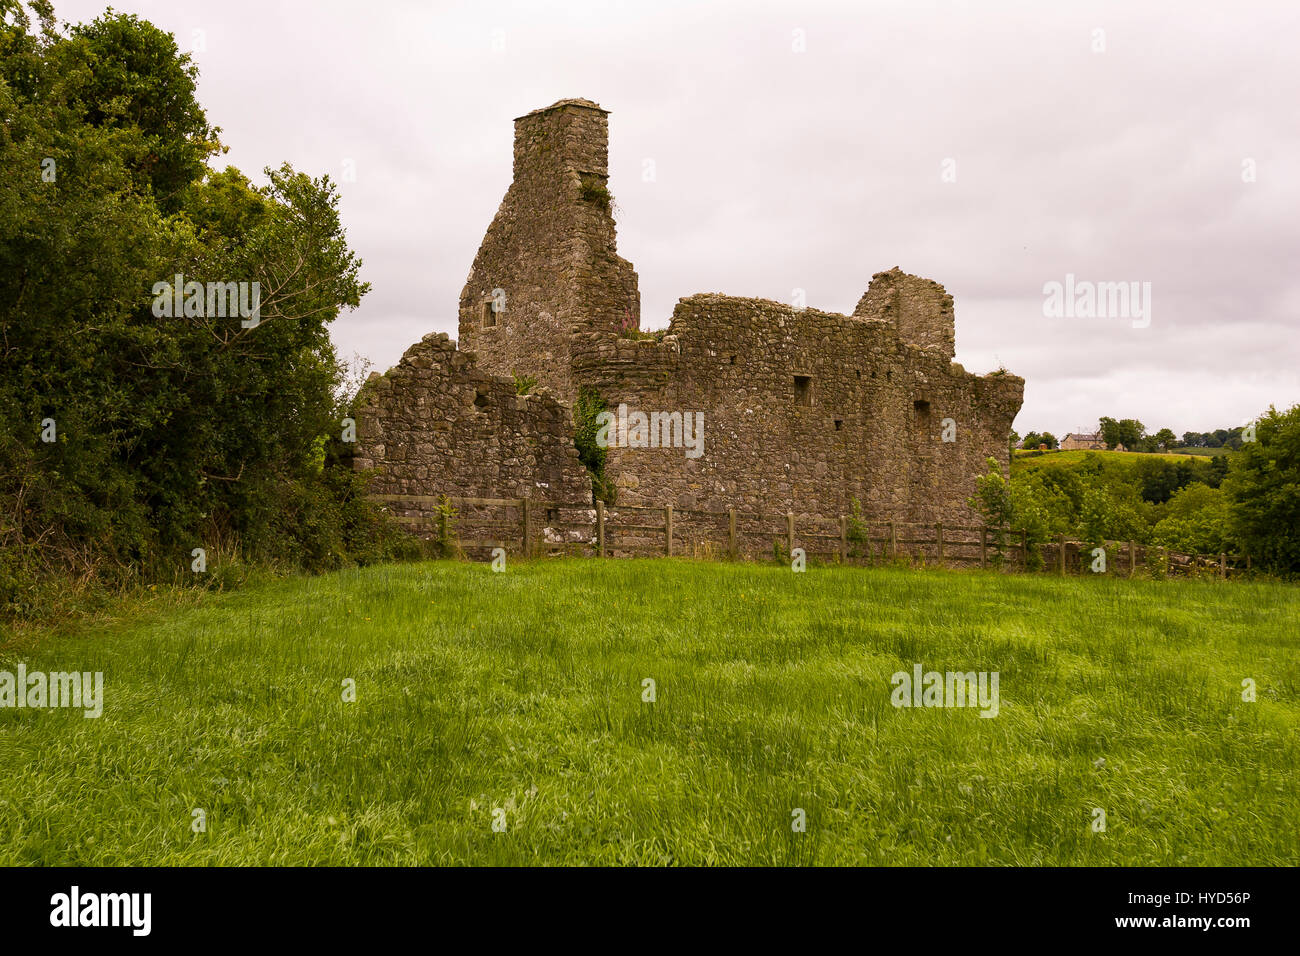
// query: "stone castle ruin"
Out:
[803,411]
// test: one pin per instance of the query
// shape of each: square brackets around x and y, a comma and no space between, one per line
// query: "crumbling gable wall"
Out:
[437,424]
[919,310]
[551,251]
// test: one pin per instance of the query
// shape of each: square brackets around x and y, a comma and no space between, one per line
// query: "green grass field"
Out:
[519,697]
[1023,459]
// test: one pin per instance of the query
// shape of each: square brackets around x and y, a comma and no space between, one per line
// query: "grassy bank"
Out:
[522,693]
[1030,459]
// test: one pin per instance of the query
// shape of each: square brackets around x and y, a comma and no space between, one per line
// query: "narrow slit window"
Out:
[489,315]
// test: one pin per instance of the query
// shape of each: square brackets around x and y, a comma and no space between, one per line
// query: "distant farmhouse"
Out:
[1082,441]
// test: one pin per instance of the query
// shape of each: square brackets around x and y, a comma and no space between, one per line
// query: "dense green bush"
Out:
[1264,489]
[585,411]
[172,431]
[1244,503]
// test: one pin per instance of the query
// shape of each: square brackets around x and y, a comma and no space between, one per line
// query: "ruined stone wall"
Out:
[863,420]
[438,424]
[551,250]
[803,410]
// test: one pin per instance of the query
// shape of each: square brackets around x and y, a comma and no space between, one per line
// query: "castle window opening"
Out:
[839,423]
[480,398]
[489,315]
[803,389]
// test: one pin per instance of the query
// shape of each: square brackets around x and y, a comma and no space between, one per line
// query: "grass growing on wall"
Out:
[521,693]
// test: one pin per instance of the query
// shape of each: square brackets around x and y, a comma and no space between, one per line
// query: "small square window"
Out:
[839,424]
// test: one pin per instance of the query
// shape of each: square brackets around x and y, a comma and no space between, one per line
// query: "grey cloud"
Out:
[778,170]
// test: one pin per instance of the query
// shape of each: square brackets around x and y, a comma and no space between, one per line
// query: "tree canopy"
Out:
[126,438]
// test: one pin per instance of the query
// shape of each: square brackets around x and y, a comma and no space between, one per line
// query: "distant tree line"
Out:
[1133,436]
[1247,502]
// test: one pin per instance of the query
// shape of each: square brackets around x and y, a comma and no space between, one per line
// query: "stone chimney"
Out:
[548,274]
[570,134]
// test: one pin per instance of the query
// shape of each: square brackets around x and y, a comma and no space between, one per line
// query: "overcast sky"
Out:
[777,170]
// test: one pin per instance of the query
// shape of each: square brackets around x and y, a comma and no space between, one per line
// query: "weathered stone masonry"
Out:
[804,410]
[437,424]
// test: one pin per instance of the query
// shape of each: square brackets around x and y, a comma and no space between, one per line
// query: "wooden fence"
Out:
[534,528]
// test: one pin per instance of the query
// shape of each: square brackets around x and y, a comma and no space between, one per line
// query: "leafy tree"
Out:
[1263,486]
[993,501]
[1195,521]
[138,81]
[1127,432]
[1158,479]
[170,432]
[1164,439]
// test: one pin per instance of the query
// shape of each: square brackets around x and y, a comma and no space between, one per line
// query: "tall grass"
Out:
[522,693]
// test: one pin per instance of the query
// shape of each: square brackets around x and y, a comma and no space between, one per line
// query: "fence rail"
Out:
[535,527]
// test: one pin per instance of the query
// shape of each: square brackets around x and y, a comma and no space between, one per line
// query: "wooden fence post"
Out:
[1223,566]
[844,540]
[938,534]
[984,544]
[600,527]
[668,527]
[789,532]
[893,540]
[1024,549]
[731,532]
[1062,555]
[524,507]
[1132,558]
